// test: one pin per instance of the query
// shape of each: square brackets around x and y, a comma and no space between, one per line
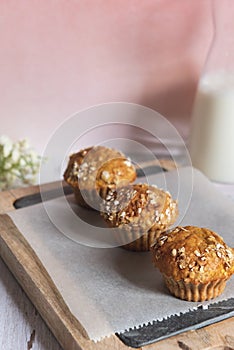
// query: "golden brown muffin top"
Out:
[139,205]
[117,172]
[99,166]
[193,254]
[75,160]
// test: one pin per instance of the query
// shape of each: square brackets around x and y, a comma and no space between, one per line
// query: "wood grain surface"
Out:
[22,327]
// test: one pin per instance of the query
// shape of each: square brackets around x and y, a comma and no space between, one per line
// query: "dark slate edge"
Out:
[173,325]
[32,199]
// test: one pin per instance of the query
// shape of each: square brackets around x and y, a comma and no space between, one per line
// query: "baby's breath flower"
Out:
[4,139]
[15,156]
[16,172]
[22,162]
[7,165]
[6,145]
[19,164]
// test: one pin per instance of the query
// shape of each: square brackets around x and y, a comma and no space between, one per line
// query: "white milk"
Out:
[212,133]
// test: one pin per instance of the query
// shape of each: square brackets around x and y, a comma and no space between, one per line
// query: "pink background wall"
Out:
[59,56]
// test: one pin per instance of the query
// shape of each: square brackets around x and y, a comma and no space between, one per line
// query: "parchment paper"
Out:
[111,290]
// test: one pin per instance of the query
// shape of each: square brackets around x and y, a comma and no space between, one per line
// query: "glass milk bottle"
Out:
[212,131]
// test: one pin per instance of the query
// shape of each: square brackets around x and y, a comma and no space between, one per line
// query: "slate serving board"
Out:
[158,330]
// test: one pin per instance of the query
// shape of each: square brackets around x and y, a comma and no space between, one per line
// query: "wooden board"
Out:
[38,285]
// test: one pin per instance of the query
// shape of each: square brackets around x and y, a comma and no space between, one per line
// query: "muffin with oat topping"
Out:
[93,171]
[195,262]
[140,212]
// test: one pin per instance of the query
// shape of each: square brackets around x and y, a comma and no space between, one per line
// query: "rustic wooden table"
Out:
[23,328]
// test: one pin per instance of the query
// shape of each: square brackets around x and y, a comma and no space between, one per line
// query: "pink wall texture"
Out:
[58,57]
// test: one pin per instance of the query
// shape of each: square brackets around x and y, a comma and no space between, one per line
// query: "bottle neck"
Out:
[220,58]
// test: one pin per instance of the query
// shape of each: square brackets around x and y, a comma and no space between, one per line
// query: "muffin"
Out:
[140,212]
[194,261]
[93,171]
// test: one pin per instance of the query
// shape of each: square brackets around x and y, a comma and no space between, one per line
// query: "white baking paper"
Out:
[111,290]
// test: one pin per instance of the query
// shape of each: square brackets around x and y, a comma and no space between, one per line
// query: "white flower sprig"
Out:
[19,164]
